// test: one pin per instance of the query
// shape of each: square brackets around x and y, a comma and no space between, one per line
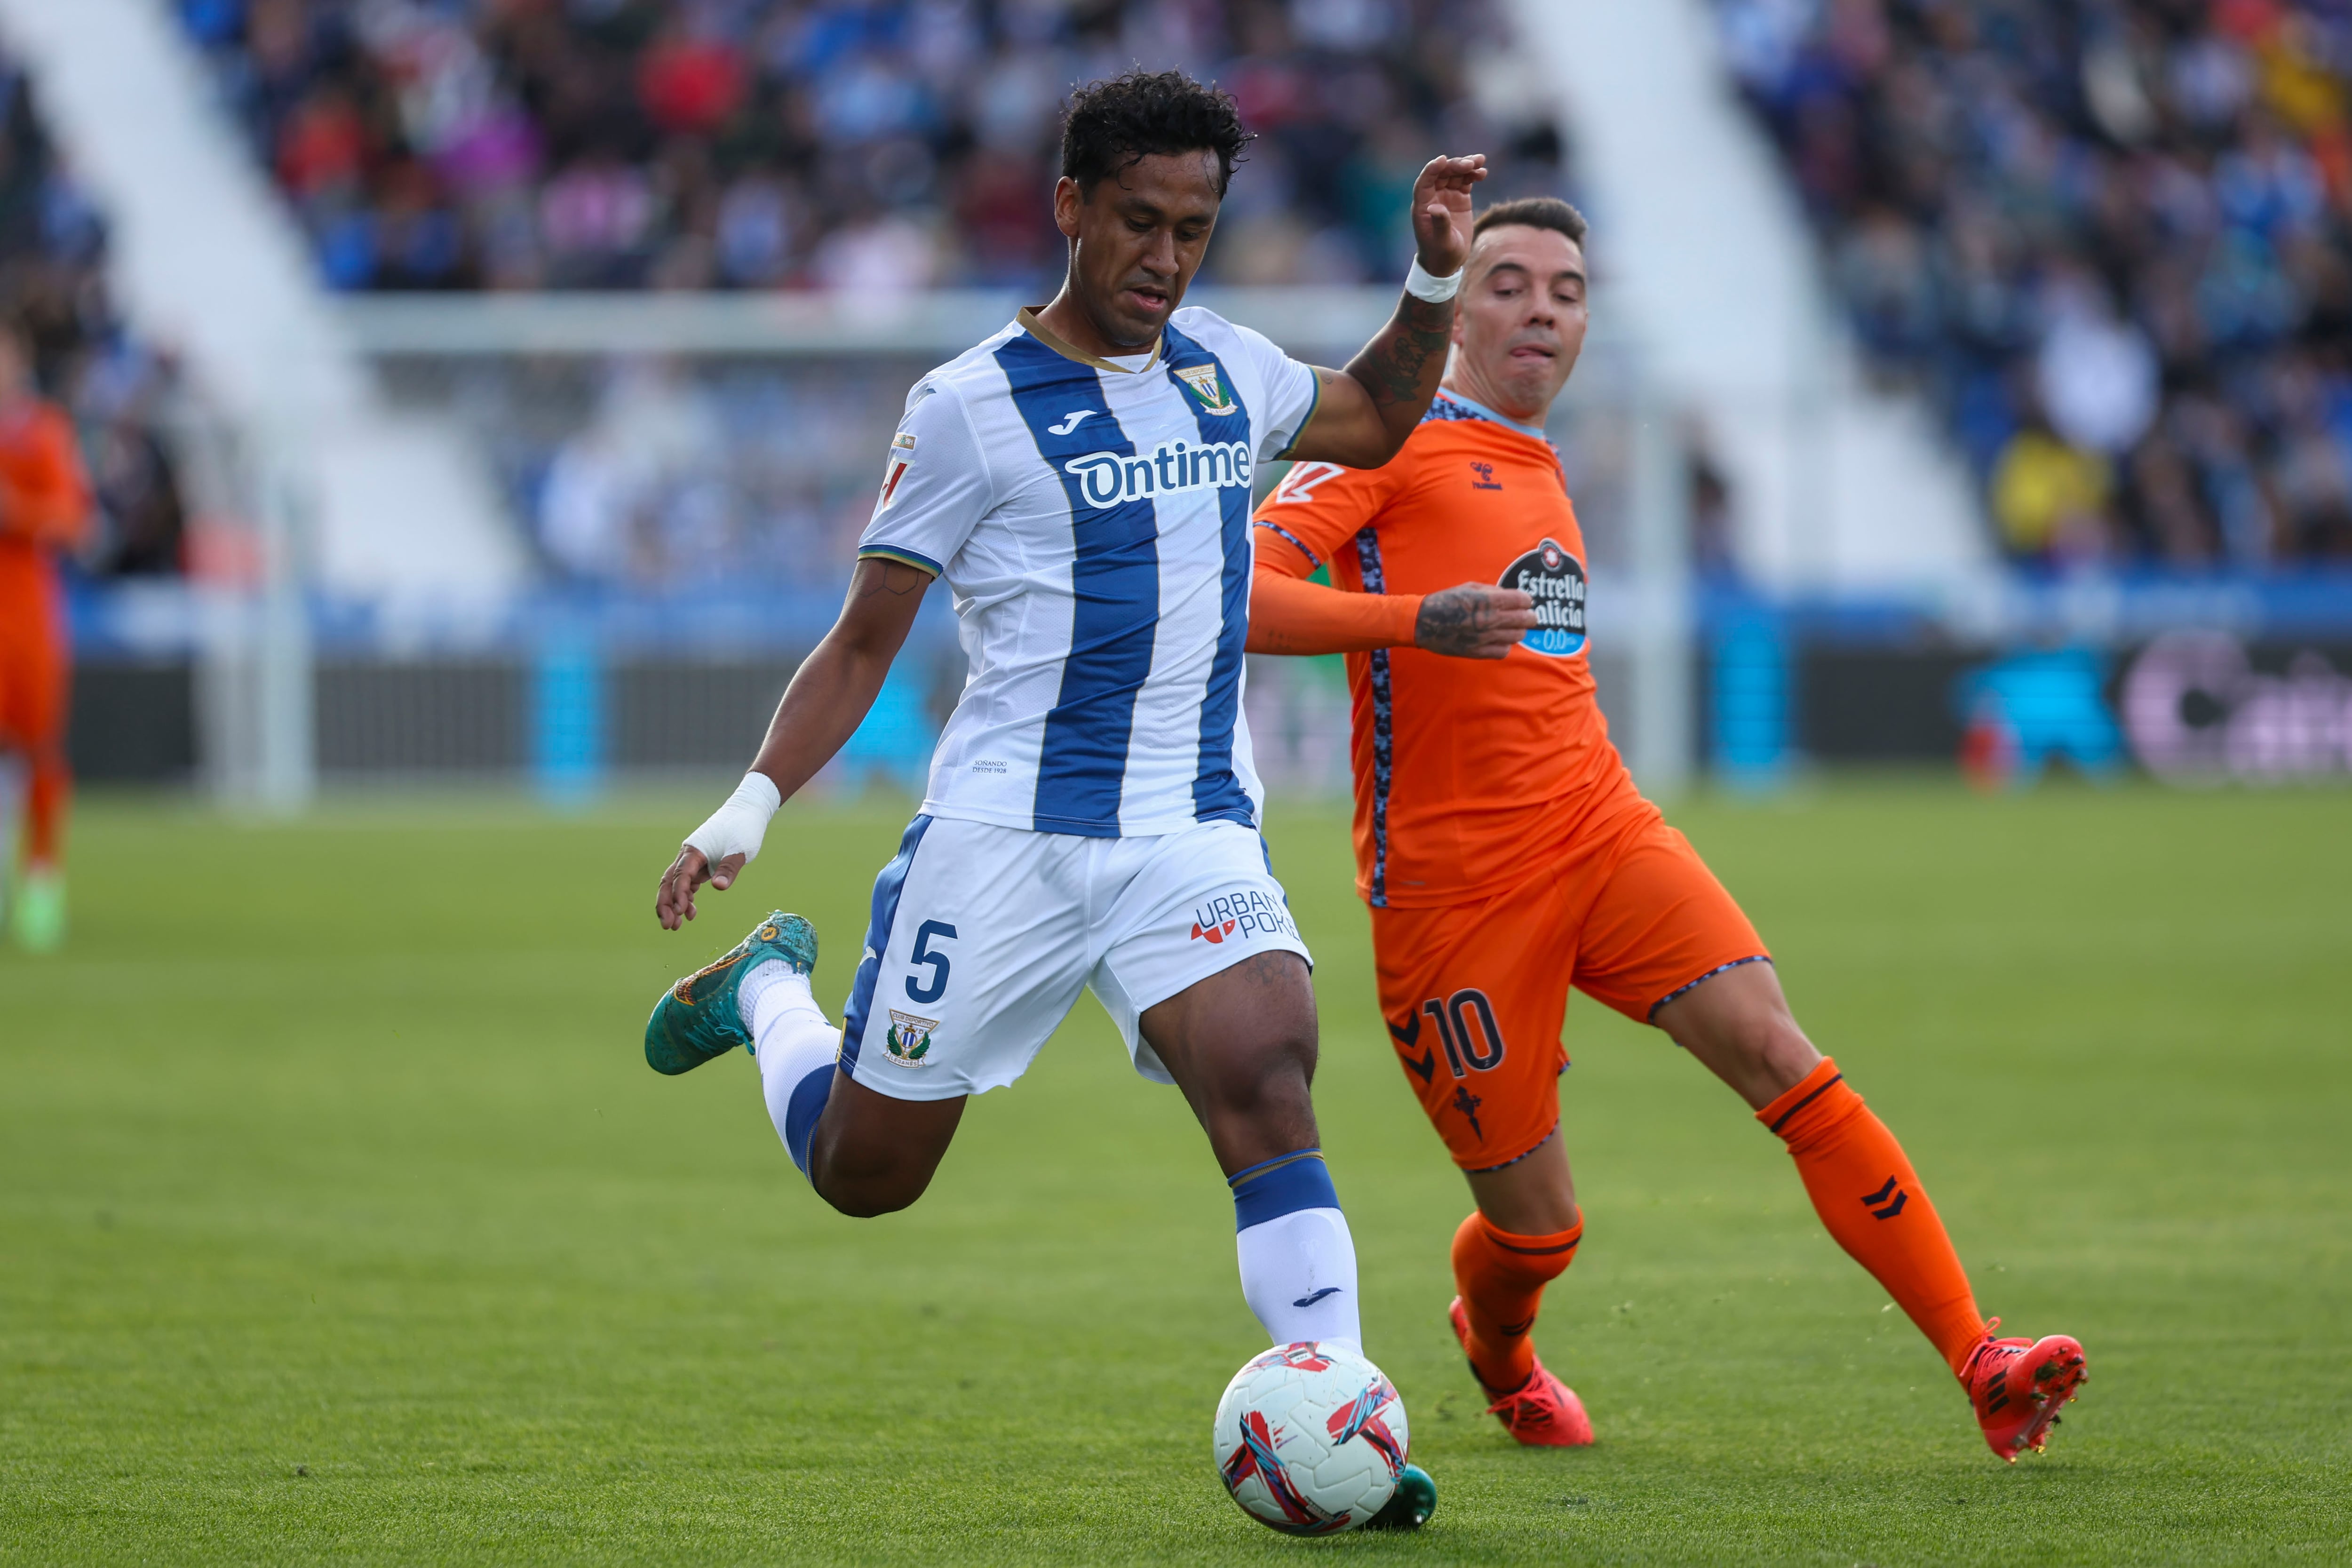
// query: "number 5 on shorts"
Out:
[923,956]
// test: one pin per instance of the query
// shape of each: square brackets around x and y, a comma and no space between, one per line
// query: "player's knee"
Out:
[865,1182]
[1265,1099]
[864,1201]
[867,1194]
[1777,1051]
[1276,1070]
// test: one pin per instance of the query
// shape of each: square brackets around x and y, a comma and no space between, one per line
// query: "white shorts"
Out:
[983,936]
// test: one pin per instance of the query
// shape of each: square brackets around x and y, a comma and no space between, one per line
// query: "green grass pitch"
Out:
[340,1219]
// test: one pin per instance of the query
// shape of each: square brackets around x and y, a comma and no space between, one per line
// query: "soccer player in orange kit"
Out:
[44,508]
[1507,853]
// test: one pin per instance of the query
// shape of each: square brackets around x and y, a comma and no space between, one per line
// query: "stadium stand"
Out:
[855,147]
[850,144]
[53,289]
[2109,239]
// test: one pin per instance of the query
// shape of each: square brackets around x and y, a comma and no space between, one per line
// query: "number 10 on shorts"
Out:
[1478,1044]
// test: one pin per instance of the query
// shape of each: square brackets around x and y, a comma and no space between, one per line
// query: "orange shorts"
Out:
[1476,995]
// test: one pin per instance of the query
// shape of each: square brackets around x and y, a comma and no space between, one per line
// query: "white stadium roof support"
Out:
[1699,240]
[208,263]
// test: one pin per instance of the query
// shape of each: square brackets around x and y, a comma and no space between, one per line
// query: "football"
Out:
[1310,1438]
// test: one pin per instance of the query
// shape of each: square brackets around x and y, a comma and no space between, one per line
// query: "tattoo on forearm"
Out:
[1454,622]
[1396,366]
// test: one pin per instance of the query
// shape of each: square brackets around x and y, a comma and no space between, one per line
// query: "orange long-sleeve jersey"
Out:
[44,508]
[1467,771]
[45,499]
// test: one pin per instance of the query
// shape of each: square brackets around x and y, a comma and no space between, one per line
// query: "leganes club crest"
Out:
[908,1039]
[1206,386]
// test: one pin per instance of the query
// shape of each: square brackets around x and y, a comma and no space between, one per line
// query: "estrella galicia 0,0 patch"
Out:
[1556,580]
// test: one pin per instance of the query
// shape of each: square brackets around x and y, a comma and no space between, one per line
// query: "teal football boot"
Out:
[697,1020]
[1415,1500]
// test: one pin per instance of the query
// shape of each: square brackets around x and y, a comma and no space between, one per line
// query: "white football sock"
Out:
[1298,1275]
[764,978]
[1298,1262]
[795,1048]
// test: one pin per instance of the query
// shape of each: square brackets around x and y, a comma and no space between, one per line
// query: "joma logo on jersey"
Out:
[1109,479]
[1239,917]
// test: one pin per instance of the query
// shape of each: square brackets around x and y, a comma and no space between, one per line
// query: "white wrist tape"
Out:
[737,828]
[1421,284]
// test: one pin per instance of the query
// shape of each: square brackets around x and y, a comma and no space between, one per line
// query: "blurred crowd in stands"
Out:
[873,145]
[2112,238]
[854,147]
[53,293]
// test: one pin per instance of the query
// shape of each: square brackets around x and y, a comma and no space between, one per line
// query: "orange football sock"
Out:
[1502,1279]
[45,810]
[1870,1200]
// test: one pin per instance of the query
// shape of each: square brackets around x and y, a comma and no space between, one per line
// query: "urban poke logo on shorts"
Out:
[1556,581]
[1237,917]
[908,1039]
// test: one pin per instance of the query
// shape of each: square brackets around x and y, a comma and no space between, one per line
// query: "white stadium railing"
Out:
[738,436]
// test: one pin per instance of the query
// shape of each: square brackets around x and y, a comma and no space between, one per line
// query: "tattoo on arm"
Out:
[878,575]
[1469,622]
[1396,366]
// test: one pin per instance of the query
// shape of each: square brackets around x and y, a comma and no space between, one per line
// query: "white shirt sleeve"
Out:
[1289,391]
[935,484]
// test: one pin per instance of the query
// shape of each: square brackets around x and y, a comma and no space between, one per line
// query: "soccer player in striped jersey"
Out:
[1081,482]
[1506,855]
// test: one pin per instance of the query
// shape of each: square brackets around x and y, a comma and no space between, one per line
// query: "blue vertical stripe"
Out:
[1082,767]
[1217,790]
[1368,562]
[887,888]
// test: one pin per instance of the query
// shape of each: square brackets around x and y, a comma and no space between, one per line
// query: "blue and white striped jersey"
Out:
[1093,523]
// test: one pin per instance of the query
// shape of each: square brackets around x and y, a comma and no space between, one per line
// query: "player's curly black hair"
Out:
[1110,124]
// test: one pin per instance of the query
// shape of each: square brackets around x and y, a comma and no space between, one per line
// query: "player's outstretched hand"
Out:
[1441,212]
[673,905]
[1474,620]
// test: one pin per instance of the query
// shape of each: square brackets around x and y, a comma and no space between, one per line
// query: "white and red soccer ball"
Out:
[1310,1438]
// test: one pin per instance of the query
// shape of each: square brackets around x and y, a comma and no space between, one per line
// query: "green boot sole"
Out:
[40,912]
[697,1019]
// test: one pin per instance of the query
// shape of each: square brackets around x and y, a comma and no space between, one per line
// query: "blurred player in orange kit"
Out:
[45,512]
[1507,855]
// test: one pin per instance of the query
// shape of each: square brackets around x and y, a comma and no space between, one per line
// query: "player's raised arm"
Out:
[822,708]
[1365,411]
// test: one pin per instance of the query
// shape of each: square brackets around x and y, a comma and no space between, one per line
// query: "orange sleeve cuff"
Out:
[1290,615]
